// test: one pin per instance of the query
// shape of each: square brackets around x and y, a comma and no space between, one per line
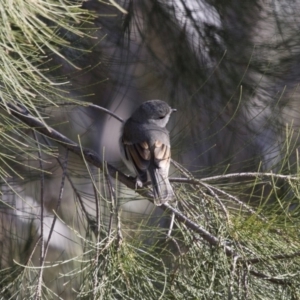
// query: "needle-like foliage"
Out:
[70,223]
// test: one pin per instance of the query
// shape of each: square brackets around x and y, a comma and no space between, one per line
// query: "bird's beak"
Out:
[174,109]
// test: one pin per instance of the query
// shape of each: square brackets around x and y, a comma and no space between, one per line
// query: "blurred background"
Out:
[231,68]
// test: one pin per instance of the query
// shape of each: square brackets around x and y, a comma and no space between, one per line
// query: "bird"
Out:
[145,147]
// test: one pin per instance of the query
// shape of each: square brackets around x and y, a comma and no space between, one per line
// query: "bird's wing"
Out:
[162,156]
[156,161]
[159,172]
[139,154]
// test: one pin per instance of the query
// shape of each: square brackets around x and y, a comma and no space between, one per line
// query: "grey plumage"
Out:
[145,147]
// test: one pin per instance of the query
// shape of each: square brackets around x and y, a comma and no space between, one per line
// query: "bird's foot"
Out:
[138,183]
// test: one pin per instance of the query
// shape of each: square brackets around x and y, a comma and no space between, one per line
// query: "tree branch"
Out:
[93,158]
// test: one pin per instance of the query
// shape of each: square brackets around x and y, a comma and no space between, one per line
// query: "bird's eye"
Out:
[162,116]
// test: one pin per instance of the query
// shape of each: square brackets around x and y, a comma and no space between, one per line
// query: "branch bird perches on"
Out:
[23,115]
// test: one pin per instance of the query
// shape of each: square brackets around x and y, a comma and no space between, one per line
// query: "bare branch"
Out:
[88,218]
[273,257]
[195,181]
[106,111]
[198,229]
[252,174]
[269,278]
[89,155]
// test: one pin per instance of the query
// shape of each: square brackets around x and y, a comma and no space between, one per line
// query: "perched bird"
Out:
[145,147]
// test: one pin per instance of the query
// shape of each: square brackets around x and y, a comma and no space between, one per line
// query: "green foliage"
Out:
[249,252]
[31,33]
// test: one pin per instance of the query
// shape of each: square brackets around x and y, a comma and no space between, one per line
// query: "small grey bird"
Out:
[145,147]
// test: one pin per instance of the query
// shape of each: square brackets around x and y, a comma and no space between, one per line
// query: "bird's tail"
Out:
[162,189]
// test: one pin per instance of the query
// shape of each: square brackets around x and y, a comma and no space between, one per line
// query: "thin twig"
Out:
[252,174]
[118,6]
[106,111]
[96,260]
[245,280]
[86,104]
[269,278]
[216,197]
[176,244]
[61,190]
[78,196]
[33,250]
[198,229]
[232,277]
[182,169]
[171,226]
[38,294]
[272,257]
[191,177]
[98,215]
[89,155]
[200,182]
[113,204]
[119,229]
